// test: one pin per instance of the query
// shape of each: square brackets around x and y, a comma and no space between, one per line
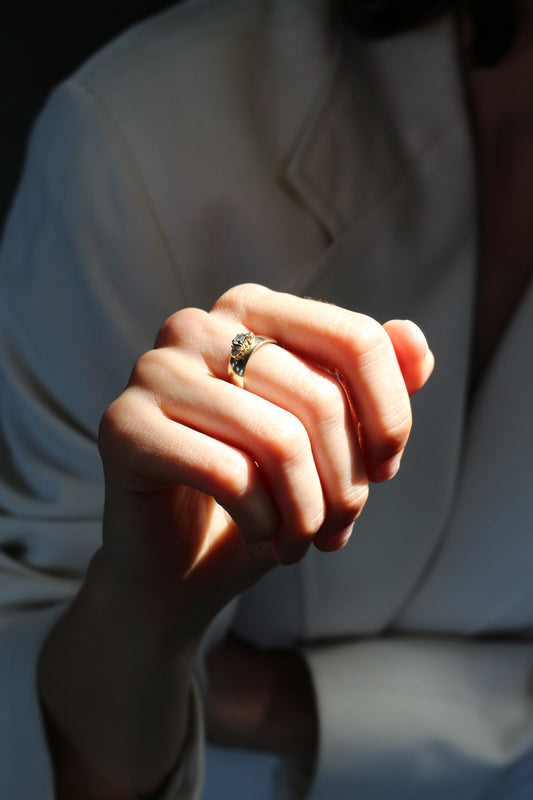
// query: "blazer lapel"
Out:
[481,581]
[383,104]
[377,165]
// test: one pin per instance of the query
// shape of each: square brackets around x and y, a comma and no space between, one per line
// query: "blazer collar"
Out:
[382,104]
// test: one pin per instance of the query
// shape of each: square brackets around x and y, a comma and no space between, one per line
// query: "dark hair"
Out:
[494,22]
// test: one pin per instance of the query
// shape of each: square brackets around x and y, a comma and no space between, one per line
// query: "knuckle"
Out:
[239,297]
[286,438]
[115,425]
[313,520]
[348,506]
[142,368]
[324,398]
[362,334]
[181,328]
[353,502]
[396,430]
[149,371]
[236,483]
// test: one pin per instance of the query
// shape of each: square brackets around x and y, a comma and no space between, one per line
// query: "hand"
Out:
[260,700]
[208,485]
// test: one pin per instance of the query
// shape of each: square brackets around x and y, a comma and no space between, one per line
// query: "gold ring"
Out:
[242,347]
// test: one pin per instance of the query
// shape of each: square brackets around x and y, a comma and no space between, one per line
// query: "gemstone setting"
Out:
[242,344]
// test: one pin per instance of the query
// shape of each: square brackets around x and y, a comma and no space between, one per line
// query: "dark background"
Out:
[40,44]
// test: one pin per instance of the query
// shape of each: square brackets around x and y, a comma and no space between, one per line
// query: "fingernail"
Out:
[389,468]
[289,555]
[334,542]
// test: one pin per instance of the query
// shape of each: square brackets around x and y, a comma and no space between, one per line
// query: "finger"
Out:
[154,452]
[333,541]
[315,398]
[273,438]
[414,356]
[319,402]
[351,345]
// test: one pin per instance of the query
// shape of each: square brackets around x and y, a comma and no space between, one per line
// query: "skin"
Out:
[209,486]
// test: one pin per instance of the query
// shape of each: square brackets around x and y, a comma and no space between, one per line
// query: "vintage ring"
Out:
[242,347]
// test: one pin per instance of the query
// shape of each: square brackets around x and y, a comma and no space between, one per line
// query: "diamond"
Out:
[241,344]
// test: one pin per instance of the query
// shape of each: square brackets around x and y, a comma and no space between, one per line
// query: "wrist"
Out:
[139,623]
[115,695]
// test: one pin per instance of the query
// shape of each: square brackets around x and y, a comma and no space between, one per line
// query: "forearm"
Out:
[115,694]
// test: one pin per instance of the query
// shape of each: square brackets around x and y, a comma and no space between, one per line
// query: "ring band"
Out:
[242,347]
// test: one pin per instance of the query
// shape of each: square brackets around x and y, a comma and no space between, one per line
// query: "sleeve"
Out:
[413,718]
[86,279]
[186,781]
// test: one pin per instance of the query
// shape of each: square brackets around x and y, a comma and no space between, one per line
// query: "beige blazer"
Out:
[234,140]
